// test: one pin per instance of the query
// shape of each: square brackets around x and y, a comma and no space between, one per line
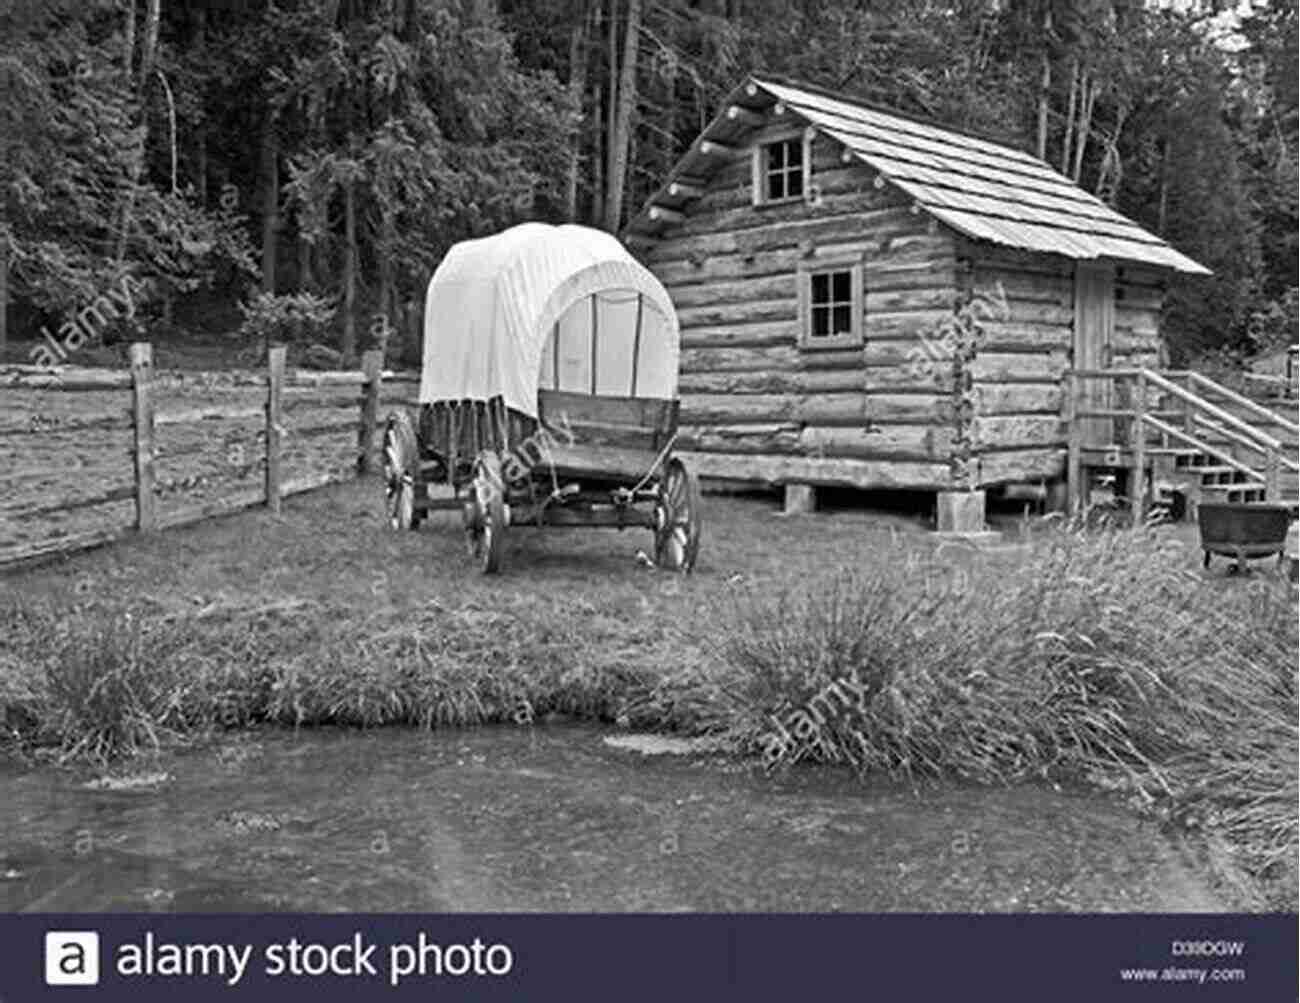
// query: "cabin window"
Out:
[781,170]
[830,302]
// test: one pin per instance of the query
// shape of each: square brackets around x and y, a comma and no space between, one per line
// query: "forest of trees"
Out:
[313,159]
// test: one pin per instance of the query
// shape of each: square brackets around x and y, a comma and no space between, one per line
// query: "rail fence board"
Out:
[137,450]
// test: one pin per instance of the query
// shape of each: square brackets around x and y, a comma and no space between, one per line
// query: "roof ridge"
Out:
[759,76]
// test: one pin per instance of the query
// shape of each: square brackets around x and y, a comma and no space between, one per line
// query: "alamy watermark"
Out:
[87,324]
[959,333]
[805,726]
[534,451]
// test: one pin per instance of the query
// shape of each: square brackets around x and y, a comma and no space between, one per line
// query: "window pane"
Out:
[842,287]
[794,183]
[776,186]
[843,320]
[820,290]
[793,152]
[821,317]
[776,156]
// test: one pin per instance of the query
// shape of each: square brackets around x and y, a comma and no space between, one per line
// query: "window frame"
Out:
[759,174]
[857,303]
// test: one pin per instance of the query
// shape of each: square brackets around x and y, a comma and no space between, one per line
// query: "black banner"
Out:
[647,957]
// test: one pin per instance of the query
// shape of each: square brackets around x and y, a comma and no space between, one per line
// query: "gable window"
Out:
[831,305]
[781,169]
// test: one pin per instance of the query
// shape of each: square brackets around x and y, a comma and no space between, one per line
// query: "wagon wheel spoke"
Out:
[485,523]
[401,467]
[677,511]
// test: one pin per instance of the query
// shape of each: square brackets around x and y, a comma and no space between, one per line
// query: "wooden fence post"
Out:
[372,363]
[142,416]
[1074,452]
[1137,479]
[274,424]
[1271,490]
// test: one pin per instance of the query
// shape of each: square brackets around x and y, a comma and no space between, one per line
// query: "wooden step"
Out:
[1232,492]
[1220,475]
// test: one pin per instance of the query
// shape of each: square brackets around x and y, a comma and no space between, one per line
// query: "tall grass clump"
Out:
[100,681]
[1101,656]
[93,688]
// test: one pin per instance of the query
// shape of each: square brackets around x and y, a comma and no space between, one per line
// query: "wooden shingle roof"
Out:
[982,189]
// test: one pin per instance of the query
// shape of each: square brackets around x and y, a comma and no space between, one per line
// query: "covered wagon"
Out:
[548,397]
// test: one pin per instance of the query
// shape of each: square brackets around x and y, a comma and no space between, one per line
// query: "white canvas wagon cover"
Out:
[546,307]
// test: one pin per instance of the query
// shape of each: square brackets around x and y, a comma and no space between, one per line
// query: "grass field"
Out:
[1101,657]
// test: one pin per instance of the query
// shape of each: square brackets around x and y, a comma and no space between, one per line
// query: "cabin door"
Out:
[1094,336]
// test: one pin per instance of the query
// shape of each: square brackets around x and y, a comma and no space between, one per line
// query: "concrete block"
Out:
[1058,496]
[800,499]
[960,512]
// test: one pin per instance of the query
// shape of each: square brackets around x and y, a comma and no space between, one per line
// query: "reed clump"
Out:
[1105,657]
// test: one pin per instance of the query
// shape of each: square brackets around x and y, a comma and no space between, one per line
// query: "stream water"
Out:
[557,819]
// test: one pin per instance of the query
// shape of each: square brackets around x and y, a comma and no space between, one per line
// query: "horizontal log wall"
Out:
[1026,315]
[1026,347]
[757,407]
[1139,301]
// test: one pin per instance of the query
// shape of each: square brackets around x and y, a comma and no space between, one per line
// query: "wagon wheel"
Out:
[485,513]
[401,454]
[677,518]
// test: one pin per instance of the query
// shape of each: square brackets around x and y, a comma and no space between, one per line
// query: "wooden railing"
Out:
[1133,418]
[284,391]
[1203,386]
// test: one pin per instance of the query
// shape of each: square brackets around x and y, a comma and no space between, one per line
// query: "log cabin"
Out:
[870,301]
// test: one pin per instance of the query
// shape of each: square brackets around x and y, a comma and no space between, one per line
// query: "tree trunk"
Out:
[1088,97]
[201,167]
[306,281]
[1162,214]
[577,87]
[270,202]
[171,124]
[1111,175]
[611,106]
[668,155]
[626,107]
[1069,117]
[149,47]
[153,16]
[349,272]
[1045,83]
[597,159]
[387,287]
[128,46]
[4,299]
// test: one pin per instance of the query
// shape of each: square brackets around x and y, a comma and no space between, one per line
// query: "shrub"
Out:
[286,318]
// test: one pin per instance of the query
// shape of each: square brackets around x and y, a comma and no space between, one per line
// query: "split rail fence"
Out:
[284,391]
